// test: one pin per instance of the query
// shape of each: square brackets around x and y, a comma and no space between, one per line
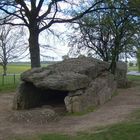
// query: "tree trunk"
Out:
[34,47]
[4,69]
[138,59]
[115,55]
[113,65]
[5,61]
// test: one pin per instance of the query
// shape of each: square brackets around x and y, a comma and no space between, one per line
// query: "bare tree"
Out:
[12,45]
[39,15]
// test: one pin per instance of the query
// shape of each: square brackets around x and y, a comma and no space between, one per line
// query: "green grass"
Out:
[11,69]
[18,68]
[45,137]
[134,68]
[8,83]
[8,88]
[134,79]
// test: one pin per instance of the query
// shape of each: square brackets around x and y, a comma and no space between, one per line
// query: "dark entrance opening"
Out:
[54,99]
[33,97]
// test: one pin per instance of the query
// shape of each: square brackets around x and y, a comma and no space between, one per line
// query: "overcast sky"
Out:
[58,46]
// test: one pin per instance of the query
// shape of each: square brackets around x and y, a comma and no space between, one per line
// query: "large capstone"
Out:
[77,84]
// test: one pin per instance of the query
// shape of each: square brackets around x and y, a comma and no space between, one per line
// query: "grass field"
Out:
[133,78]
[10,82]
[134,68]
[14,69]
[11,69]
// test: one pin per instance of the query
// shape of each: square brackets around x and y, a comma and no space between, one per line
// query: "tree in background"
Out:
[134,7]
[12,45]
[138,59]
[107,34]
[39,15]
[138,50]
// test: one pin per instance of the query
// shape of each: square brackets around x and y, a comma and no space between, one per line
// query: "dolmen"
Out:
[76,83]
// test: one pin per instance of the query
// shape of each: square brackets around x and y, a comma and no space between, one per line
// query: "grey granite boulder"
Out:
[121,75]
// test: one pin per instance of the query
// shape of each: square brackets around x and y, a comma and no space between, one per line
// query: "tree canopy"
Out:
[107,34]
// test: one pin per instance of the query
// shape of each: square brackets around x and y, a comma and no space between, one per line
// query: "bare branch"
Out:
[47,12]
